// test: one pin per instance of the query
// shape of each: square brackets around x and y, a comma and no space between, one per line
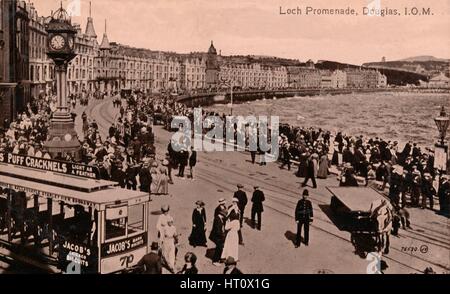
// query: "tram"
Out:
[61,216]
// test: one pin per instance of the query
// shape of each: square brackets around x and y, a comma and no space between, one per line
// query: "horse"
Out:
[382,216]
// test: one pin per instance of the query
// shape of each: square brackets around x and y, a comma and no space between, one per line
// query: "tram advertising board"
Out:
[64,167]
[75,257]
[124,245]
[122,254]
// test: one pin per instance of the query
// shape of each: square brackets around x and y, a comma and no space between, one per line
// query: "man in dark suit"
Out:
[217,235]
[221,207]
[230,267]
[152,261]
[257,207]
[242,197]
[303,216]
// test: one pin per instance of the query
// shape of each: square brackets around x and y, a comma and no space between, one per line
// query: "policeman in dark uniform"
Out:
[242,197]
[303,216]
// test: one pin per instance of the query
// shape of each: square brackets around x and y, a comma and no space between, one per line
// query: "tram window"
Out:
[116,222]
[135,218]
[121,224]
[116,228]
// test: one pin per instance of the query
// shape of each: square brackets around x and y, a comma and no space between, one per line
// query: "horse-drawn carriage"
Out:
[366,214]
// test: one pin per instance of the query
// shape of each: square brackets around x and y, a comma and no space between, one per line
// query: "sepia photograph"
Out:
[213,137]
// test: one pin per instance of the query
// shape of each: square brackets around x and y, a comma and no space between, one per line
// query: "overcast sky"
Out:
[256,27]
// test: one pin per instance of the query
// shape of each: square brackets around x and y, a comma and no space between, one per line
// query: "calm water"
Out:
[391,116]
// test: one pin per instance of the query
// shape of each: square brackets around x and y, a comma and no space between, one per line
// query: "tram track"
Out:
[313,197]
[292,207]
[288,199]
[341,238]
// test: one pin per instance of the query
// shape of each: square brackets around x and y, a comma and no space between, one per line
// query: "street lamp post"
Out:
[441,150]
[231,85]
[231,97]
[442,123]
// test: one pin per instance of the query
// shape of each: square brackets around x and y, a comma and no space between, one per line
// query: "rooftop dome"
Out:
[212,50]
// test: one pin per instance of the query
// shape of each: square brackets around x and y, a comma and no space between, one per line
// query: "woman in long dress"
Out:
[302,167]
[323,167]
[232,226]
[168,246]
[163,175]
[154,172]
[198,237]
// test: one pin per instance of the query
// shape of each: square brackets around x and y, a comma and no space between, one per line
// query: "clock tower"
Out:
[61,138]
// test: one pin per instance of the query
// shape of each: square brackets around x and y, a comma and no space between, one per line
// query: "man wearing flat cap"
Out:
[257,207]
[242,197]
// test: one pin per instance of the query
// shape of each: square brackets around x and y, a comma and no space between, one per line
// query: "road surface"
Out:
[271,250]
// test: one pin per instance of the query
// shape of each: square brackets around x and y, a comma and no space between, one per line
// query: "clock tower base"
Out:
[62,137]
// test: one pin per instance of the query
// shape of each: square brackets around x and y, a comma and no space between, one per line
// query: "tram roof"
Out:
[98,199]
[54,178]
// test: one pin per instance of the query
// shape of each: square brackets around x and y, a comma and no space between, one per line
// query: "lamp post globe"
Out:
[442,123]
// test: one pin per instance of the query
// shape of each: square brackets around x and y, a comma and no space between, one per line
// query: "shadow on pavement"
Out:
[291,236]
[210,253]
[339,223]
[248,222]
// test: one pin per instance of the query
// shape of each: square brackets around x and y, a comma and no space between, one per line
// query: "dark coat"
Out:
[218,209]
[235,271]
[303,211]
[258,199]
[348,180]
[183,157]
[145,177]
[152,263]
[242,197]
[198,237]
[188,271]
[193,158]
[217,234]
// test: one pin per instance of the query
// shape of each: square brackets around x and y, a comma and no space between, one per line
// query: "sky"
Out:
[256,27]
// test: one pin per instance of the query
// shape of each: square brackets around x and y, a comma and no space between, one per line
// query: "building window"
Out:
[32,73]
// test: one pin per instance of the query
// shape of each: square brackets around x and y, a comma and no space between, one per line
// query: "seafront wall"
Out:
[223,97]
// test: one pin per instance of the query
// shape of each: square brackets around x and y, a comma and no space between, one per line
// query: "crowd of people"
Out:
[26,135]
[225,233]
[409,173]
[127,156]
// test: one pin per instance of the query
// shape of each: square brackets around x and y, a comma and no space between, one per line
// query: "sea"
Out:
[394,116]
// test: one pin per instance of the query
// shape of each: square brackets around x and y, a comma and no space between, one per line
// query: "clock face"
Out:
[57,42]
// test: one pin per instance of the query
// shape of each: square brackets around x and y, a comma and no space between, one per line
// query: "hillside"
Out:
[394,76]
[425,65]
[424,58]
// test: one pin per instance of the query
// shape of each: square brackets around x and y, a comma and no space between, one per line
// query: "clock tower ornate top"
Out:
[61,36]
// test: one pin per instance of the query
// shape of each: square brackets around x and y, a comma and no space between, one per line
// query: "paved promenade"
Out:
[271,250]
